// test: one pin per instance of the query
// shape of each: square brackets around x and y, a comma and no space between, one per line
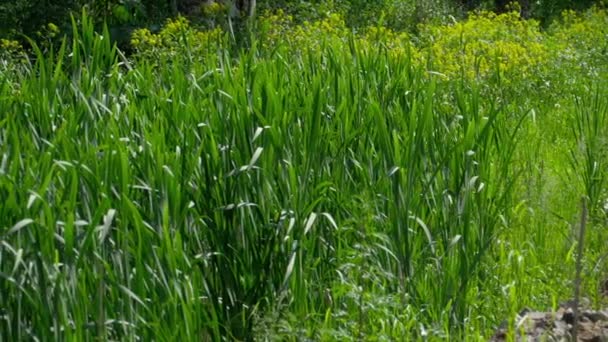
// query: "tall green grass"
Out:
[589,155]
[195,200]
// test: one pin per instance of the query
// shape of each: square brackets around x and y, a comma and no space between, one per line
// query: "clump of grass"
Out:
[589,156]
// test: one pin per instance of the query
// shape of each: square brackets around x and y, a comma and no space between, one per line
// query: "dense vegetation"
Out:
[31,17]
[300,179]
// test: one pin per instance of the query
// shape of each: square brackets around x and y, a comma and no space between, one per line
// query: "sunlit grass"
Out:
[332,194]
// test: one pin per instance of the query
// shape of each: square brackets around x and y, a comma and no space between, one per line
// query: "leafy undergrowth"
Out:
[321,184]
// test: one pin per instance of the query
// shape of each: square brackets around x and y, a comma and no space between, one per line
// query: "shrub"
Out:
[484,44]
[11,54]
[177,39]
[279,28]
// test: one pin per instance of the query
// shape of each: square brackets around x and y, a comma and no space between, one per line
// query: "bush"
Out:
[484,44]
[28,17]
[280,29]
[176,40]
[11,55]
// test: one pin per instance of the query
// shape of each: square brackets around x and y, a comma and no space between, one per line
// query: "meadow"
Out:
[308,182]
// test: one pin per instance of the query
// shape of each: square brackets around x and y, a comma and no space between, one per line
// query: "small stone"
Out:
[536,315]
[595,316]
[588,335]
[560,327]
[568,316]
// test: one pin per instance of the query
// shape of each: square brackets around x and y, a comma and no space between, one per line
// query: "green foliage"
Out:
[395,14]
[323,184]
[27,17]
[487,44]
[589,153]
[581,37]
[121,14]
[10,48]
[279,29]
[549,10]
[12,57]
[177,40]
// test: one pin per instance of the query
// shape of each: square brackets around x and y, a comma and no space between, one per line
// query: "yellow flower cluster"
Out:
[174,28]
[333,28]
[10,45]
[175,37]
[53,30]
[274,27]
[397,44]
[213,9]
[48,31]
[279,28]
[11,55]
[10,50]
[484,44]
[144,40]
